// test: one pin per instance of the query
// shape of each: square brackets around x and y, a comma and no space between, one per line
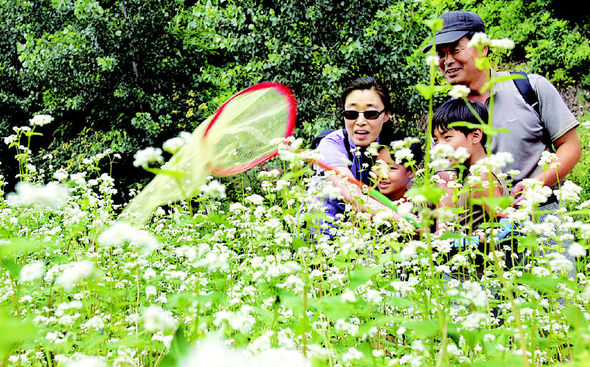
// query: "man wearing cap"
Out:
[532,129]
[531,133]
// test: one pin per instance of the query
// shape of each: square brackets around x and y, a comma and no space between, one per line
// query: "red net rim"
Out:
[291,115]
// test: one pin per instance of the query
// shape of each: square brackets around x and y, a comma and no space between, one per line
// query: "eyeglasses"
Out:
[369,115]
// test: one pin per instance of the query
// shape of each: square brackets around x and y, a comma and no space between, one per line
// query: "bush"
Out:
[151,68]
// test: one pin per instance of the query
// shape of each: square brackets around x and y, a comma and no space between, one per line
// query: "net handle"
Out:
[291,115]
[374,193]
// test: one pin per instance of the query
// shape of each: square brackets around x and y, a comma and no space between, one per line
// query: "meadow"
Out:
[245,275]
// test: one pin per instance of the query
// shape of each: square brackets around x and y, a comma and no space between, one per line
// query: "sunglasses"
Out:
[369,115]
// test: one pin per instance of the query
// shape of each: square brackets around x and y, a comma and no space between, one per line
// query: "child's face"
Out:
[452,137]
[395,184]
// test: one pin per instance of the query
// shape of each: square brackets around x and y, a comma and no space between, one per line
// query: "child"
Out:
[397,180]
[473,140]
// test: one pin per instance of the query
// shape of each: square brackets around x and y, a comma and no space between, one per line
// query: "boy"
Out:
[473,140]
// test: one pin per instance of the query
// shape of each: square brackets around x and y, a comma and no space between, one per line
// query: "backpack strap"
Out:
[526,90]
[361,175]
[530,97]
[347,145]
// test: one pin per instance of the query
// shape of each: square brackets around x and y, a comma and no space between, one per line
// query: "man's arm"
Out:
[568,151]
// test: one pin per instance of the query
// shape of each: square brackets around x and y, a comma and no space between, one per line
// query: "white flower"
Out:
[440,164]
[96,323]
[240,320]
[474,320]
[546,159]
[74,272]
[150,291]
[402,155]
[214,189]
[51,196]
[479,41]
[213,352]
[502,44]
[287,358]
[156,319]
[123,232]
[576,250]
[61,174]
[383,217]
[535,193]
[432,60]
[495,163]
[459,91]
[351,354]
[569,191]
[559,263]
[255,199]
[10,139]
[32,272]
[146,156]
[331,191]
[372,149]
[149,274]
[40,120]
[348,296]
[473,292]
[81,360]
[173,145]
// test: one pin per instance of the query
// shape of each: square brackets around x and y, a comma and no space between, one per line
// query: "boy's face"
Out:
[398,175]
[454,138]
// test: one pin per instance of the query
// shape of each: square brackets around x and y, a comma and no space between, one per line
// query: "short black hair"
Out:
[387,137]
[368,82]
[456,110]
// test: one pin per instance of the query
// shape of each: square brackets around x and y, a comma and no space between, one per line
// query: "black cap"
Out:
[456,25]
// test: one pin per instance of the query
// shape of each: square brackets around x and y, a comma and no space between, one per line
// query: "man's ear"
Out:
[485,51]
[476,136]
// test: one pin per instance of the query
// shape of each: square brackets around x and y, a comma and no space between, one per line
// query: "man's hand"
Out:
[518,193]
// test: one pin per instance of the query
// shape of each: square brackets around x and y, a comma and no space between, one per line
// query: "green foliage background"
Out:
[126,74]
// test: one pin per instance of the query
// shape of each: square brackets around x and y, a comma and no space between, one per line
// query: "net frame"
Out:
[291,117]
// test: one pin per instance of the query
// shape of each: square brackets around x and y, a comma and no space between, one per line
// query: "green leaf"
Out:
[19,331]
[18,245]
[428,91]
[178,349]
[434,24]
[424,328]
[506,361]
[541,284]
[499,79]
[575,318]
[486,129]
[11,266]
[501,202]
[362,275]
[529,243]
[472,337]
[335,308]
[431,192]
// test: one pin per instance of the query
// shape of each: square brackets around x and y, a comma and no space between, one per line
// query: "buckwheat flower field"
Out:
[254,281]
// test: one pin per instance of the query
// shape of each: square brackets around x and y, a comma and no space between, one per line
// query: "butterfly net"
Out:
[241,134]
